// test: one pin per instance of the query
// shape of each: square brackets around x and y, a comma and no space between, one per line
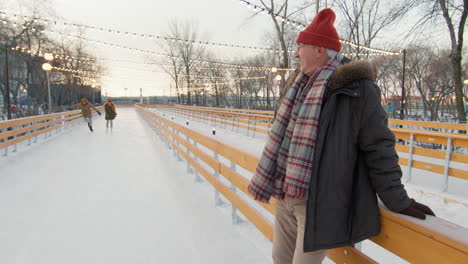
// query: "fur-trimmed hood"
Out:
[353,71]
[345,74]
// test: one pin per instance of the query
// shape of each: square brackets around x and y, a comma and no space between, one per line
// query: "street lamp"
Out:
[47,68]
[277,79]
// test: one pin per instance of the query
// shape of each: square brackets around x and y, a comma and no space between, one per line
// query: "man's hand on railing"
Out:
[417,210]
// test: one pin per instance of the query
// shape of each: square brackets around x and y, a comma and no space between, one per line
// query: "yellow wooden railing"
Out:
[431,241]
[452,147]
[434,127]
[15,131]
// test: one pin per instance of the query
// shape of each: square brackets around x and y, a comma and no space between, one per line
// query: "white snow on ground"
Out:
[113,197]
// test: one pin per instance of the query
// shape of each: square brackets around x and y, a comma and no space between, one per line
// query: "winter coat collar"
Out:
[353,71]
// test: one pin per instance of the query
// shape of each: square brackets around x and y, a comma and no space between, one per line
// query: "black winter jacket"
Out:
[354,160]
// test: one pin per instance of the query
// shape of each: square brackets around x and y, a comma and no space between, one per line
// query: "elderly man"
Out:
[329,153]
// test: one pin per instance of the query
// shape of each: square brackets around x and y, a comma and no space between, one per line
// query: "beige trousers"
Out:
[288,242]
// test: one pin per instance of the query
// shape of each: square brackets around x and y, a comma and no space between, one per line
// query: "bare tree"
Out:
[172,65]
[11,34]
[388,75]
[430,73]
[366,19]
[454,13]
[216,75]
[26,41]
[186,50]
[418,63]
[279,11]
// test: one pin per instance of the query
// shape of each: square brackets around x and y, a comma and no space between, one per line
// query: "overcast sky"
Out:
[224,21]
[218,21]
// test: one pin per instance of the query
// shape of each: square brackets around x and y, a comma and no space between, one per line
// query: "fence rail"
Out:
[430,126]
[430,241]
[15,131]
[415,139]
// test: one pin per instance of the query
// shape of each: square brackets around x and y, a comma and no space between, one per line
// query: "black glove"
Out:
[417,210]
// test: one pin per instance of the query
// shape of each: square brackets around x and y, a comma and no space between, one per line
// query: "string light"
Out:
[86,80]
[208,43]
[198,68]
[224,78]
[262,69]
[268,69]
[157,37]
[217,83]
[219,64]
[90,60]
[70,58]
[301,26]
[147,52]
[74,71]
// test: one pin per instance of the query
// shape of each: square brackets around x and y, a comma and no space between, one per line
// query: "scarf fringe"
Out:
[295,192]
[257,195]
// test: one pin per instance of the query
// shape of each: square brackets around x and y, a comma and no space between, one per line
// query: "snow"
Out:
[122,196]
[112,196]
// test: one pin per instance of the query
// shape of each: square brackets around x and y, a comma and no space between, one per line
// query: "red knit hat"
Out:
[321,31]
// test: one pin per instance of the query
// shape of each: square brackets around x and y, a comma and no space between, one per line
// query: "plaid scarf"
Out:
[285,167]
